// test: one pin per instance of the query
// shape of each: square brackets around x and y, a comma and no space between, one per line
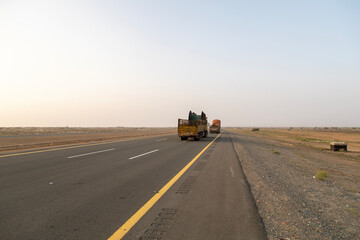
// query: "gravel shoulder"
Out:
[292,202]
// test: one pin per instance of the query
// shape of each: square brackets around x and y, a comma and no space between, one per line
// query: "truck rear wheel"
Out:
[184,138]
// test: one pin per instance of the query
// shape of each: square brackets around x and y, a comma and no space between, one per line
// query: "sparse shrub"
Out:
[352,189]
[275,152]
[321,175]
[353,211]
[255,129]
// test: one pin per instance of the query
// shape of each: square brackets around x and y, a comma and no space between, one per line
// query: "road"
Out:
[91,191]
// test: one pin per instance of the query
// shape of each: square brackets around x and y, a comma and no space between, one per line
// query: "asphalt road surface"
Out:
[91,191]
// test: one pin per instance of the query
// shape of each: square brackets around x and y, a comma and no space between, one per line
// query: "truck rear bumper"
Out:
[188,134]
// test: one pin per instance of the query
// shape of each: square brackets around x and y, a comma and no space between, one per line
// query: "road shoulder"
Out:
[293,203]
[211,201]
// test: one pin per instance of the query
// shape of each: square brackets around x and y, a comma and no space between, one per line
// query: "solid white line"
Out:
[91,153]
[144,154]
[159,140]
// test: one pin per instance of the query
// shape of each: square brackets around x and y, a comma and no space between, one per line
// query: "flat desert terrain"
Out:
[36,137]
[301,188]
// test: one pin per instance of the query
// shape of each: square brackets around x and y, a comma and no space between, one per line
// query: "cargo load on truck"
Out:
[195,126]
[215,126]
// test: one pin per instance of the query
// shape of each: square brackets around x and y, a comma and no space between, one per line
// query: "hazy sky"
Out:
[147,63]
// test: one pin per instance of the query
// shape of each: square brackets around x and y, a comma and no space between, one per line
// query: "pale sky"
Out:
[147,63]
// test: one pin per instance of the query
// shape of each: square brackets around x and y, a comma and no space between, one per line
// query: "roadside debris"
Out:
[338,146]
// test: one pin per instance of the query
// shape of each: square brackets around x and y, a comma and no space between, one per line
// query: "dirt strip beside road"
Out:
[293,203]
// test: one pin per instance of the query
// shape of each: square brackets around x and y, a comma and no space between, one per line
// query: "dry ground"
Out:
[319,138]
[26,138]
[281,167]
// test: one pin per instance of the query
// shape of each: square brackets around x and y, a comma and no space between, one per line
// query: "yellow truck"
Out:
[195,126]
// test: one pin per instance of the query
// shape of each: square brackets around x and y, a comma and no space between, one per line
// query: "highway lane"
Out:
[96,189]
[92,195]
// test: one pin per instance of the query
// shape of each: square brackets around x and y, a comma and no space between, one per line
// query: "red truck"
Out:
[215,126]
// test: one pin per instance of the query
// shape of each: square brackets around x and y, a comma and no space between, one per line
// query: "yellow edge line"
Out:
[77,146]
[125,228]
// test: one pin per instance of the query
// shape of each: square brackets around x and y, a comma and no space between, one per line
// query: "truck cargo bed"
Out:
[192,128]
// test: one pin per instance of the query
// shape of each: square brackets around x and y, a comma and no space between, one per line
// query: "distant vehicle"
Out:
[215,126]
[195,126]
